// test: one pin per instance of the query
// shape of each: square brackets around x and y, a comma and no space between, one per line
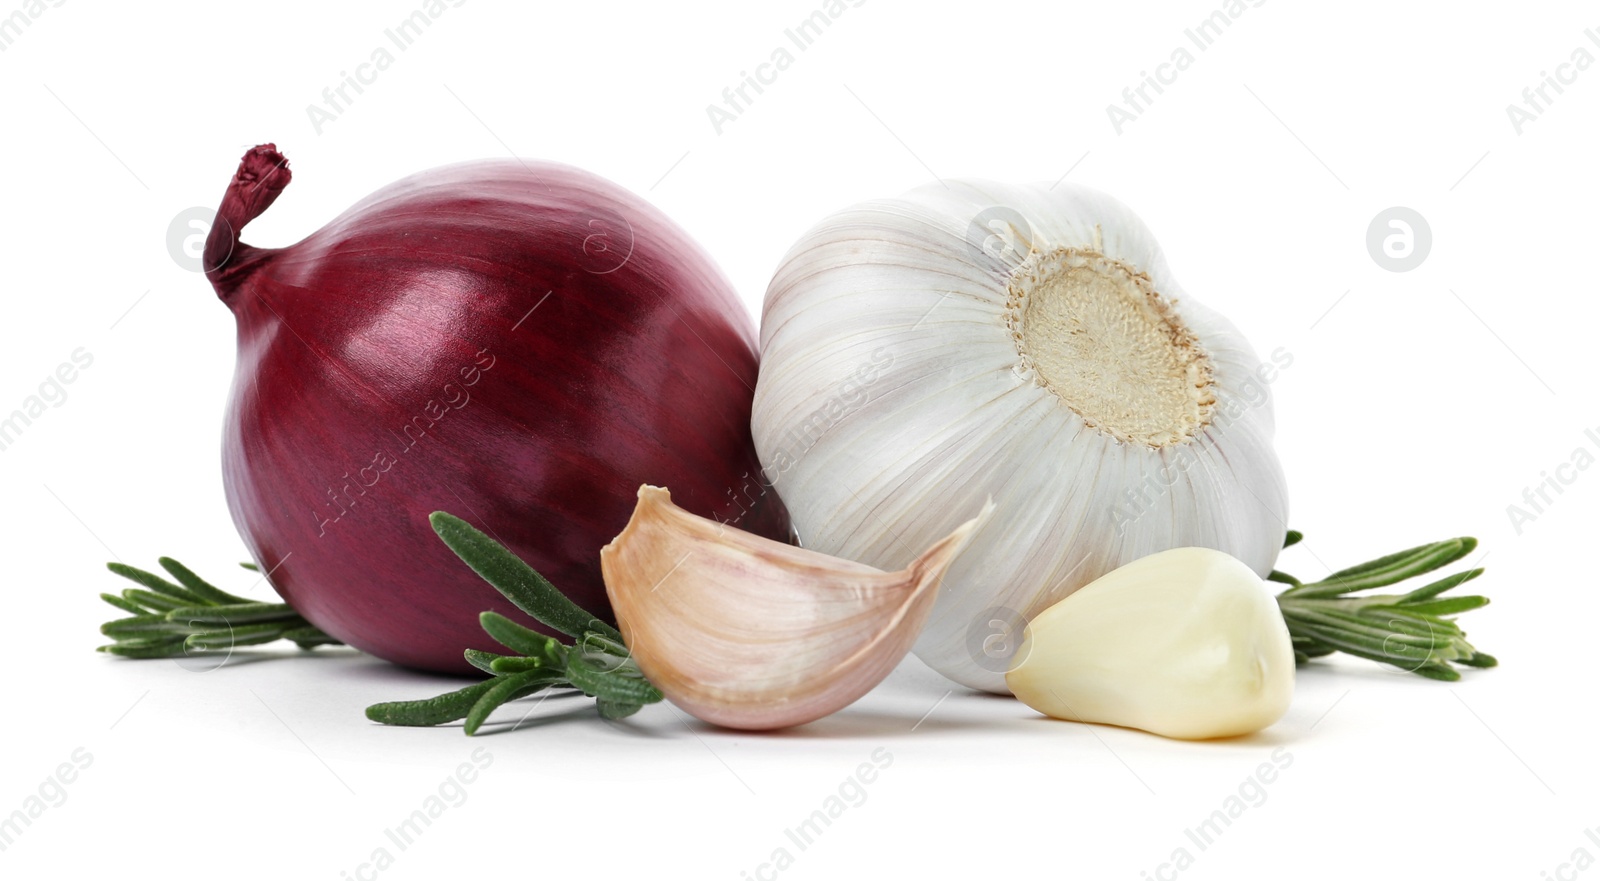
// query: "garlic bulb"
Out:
[746,632]
[1186,643]
[971,340]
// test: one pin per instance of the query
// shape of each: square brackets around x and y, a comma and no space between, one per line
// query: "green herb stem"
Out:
[171,619]
[1410,630]
[596,663]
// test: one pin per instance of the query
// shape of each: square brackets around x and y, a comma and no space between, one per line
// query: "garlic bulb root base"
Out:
[1095,332]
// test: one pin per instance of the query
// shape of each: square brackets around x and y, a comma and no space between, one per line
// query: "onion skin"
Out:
[551,340]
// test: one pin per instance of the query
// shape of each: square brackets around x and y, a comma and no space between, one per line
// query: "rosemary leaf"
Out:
[1391,569]
[156,583]
[1429,591]
[209,595]
[517,580]
[124,604]
[236,613]
[432,711]
[503,690]
[513,635]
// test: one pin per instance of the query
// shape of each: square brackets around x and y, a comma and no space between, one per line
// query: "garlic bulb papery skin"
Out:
[972,340]
[1187,643]
[745,632]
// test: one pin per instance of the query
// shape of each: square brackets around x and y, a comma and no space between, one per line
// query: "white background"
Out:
[1420,405]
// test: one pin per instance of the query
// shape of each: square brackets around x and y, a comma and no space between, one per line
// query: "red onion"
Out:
[521,344]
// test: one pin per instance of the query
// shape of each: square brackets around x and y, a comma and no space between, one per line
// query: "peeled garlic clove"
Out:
[746,632]
[1187,643]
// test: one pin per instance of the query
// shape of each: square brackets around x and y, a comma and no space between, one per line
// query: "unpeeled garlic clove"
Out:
[1186,643]
[746,632]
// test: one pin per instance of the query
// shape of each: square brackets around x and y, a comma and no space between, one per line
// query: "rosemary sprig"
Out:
[169,620]
[1412,630]
[598,664]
